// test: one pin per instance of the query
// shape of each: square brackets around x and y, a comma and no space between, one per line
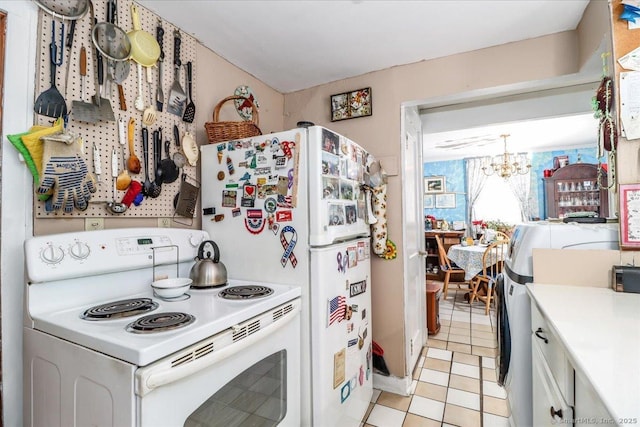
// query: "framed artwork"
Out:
[446,200]
[350,105]
[434,184]
[429,201]
[629,216]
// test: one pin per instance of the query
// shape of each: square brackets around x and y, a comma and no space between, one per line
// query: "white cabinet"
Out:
[552,376]
[561,394]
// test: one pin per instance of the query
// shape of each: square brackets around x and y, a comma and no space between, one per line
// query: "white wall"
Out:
[22,22]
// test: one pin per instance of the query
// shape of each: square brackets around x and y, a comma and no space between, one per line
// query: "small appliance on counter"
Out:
[626,278]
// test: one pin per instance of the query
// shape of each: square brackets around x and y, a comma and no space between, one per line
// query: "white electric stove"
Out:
[89,307]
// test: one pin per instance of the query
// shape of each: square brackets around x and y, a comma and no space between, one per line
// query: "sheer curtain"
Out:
[521,187]
[475,182]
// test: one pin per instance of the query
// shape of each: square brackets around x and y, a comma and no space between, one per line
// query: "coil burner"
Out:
[160,322]
[245,292]
[119,309]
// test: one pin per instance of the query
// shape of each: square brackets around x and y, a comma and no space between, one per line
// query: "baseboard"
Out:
[397,385]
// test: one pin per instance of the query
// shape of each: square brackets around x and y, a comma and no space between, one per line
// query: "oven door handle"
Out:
[163,373]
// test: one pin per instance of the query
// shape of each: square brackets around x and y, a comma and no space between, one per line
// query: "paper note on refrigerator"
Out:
[630,104]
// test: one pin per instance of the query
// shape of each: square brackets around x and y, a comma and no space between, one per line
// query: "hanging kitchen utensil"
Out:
[122,68]
[104,110]
[83,70]
[97,163]
[51,103]
[115,206]
[149,189]
[190,109]
[157,158]
[133,164]
[170,170]
[177,97]
[190,148]
[124,180]
[150,113]
[178,157]
[185,200]
[111,41]
[145,49]
[159,92]
[70,9]
[86,111]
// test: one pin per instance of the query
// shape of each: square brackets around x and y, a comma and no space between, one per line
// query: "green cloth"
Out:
[16,140]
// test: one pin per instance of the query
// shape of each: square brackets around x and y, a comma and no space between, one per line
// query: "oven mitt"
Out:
[65,171]
[379,229]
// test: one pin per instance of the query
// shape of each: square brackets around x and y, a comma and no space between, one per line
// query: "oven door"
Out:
[249,374]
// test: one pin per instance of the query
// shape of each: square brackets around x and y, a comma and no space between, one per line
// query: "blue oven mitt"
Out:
[64,171]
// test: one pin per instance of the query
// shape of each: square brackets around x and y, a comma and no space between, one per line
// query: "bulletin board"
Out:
[105,134]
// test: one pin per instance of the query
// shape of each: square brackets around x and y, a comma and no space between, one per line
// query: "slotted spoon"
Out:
[150,113]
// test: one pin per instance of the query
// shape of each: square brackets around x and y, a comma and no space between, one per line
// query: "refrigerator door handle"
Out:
[423,253]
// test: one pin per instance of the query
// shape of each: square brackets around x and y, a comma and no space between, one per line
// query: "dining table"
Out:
[468,257]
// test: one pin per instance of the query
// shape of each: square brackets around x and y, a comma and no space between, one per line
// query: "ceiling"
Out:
[296,44]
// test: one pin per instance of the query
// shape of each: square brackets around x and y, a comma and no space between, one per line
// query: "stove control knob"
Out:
[196,240]
[52,254]
[79,250]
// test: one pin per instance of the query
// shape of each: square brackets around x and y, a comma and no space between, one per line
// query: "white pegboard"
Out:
[104,134]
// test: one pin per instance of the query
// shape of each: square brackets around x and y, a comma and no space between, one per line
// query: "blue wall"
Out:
[455,179]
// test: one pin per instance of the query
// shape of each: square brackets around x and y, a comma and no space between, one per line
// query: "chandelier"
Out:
[507,164]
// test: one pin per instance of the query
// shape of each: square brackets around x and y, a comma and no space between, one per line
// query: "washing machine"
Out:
[513,305]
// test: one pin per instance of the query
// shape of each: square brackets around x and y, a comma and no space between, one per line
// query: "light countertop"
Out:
[600,330]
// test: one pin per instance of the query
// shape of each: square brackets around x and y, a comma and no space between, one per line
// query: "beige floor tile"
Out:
[413,420]
[489,374]
[492,343]
[495,406]
[458,324]
[437,344]
[484,351]
[437,364]
[460,416]
[394,401]
[467,359]
[460,331]
[445,322]
[464,383]
[463,348]
[485,335]
[481,327]
[423,352]
[431,391]
[460,338]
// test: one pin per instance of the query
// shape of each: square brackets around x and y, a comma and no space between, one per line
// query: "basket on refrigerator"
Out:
[218,131]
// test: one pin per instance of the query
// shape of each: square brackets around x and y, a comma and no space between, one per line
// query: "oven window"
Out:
[256,397]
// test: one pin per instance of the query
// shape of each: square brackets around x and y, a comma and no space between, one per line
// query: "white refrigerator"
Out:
[288,208]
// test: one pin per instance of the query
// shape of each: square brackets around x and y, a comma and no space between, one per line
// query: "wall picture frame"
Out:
[434,184]
[629,216]
[429,201]
[350,105]
[446,200]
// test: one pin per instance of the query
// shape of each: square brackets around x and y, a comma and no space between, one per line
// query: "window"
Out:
[496,201]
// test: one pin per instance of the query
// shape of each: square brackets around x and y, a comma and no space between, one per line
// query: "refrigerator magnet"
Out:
[343,261]
[350,214]
[360,251]
[330,141]
[357,288]
[339,367]
[230,166]
[280,162]
[336,214]
[229,198]
[288,240]
[270,205]
[254,225]
[249,191]
[284,216]
[287,146]
[236,212]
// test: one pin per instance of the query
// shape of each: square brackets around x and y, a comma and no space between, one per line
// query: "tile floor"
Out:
[454,380]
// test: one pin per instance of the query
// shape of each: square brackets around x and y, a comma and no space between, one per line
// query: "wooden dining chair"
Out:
[492,265]
[449,269]
[502,236]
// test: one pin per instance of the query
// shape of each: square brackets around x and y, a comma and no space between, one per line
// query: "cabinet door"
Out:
[549,407]
[588,406]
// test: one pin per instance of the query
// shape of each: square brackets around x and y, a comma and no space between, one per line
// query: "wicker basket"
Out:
[224,131]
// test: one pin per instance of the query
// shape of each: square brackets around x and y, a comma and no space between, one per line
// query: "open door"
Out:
[413,238]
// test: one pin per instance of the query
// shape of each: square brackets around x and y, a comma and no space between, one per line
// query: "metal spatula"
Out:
[190,109]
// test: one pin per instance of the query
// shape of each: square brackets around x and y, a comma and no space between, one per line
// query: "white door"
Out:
[413,238]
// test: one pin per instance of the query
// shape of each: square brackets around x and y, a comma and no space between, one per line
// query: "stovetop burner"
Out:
[160,322]
[119,309]
[245,292]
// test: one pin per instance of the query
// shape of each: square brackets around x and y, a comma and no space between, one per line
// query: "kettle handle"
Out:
[216,251]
